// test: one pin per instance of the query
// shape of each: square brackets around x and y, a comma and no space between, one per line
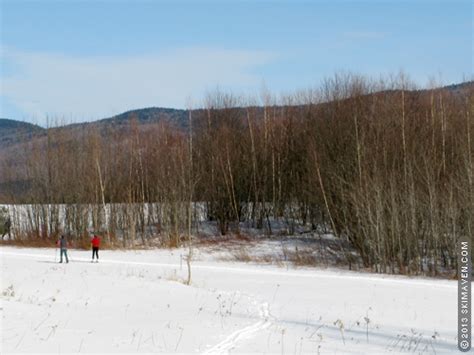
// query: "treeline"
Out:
[378,163]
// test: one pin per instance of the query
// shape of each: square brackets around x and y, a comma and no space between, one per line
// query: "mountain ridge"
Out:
[15,131]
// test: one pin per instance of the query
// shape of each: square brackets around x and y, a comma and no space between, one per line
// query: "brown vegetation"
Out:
[386,167]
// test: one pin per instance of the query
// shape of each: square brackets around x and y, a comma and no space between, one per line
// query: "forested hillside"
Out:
[12,131]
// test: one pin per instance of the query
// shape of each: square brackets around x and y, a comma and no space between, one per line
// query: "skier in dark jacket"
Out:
[6,228]
[95,241]
[62,244]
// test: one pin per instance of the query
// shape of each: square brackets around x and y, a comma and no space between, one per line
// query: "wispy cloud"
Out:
[86,88]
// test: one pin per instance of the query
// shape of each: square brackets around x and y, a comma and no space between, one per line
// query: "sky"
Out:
[85,60]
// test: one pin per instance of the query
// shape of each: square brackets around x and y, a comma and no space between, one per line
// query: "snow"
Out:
[136,302]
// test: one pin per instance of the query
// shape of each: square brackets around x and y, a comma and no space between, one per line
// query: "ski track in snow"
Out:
[289,273]
[231,340]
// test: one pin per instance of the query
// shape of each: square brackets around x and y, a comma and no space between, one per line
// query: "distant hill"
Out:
[150,115]
[143,116]
[9,126]
[459,88]
[12,131]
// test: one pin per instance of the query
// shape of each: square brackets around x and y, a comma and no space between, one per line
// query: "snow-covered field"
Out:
[134,301]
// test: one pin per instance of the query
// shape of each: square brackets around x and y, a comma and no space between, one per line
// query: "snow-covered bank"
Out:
[132,301]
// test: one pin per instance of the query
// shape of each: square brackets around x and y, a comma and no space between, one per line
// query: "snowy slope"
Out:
[134,302]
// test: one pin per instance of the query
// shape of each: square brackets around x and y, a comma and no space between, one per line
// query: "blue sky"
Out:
[84,60]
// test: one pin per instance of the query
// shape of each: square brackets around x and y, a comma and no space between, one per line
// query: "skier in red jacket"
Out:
[95,241]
